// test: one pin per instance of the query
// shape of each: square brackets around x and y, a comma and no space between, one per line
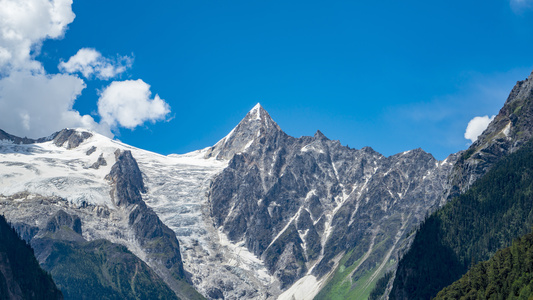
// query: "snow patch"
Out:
[305,288]
[256,111]
[239,256]
[507,129]
[296,215]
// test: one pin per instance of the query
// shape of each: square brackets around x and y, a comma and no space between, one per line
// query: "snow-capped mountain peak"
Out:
[254,127]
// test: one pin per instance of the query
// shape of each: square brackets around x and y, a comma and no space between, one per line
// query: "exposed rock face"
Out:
[510,129]
[99,162]
[158,241]
[126,179]
[300,203]
[60,219]
[256,123]
[70,138]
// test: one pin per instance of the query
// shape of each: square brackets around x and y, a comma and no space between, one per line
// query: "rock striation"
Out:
[300,204]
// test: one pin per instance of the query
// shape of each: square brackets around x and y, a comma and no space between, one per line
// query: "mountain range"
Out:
[259,215]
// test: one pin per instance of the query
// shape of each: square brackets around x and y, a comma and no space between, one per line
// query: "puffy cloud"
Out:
[90,62]
[476,126]
[33,103]
[128,104]
[23,27]
[36,105]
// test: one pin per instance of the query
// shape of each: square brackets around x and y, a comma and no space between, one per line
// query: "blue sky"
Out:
[393,75]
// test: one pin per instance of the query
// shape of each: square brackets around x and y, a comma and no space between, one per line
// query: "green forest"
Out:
[18,260]
[471,228]
[507,275]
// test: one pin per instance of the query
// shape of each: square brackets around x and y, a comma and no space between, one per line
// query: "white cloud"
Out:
[36,105]
[33,103]
[128,104]
[476,126]
[90,62]
[23,27]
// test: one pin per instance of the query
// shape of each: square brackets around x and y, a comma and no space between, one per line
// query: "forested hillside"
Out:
[21,277]
[470,228]
[507,275]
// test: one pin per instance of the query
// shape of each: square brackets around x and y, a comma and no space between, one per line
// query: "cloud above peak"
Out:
[90,62]
[128,104]
[476,126]
[37,105]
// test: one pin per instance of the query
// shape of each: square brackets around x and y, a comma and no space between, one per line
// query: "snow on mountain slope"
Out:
[176,185]
[52,171]
[177,191]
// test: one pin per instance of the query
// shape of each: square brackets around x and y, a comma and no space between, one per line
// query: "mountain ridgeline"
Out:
[303,204]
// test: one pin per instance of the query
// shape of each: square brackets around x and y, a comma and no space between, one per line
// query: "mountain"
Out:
[317,213]
[490,186]
[21,277]
[95,269]
[510,129]
[260,215]
[81,176]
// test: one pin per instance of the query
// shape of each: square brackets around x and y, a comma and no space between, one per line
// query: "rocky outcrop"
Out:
[18,140]
[70,138]
[126,179]
[155,238]
[510,129]
[99,162]
[60,219]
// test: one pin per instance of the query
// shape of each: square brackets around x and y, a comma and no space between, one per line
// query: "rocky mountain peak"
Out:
[254,127]
[71,138]
[257,120]
[510,129]
[319,135]
[521,90]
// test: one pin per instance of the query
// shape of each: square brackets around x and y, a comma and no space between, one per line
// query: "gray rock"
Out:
[299,202]
[71,137]
[91,150]
[60,219]
[510,129]
[156,239]
[99,162]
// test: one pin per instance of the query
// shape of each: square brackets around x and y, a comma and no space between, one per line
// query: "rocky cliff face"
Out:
[510,129]
[303,203]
